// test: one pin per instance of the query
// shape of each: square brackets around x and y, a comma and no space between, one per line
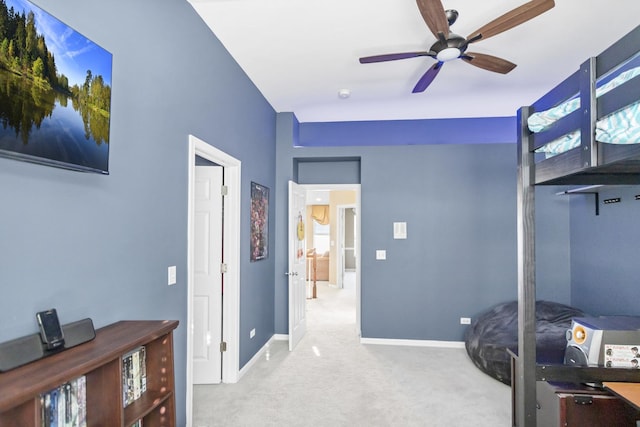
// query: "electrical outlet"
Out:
[252,333]
[465,320]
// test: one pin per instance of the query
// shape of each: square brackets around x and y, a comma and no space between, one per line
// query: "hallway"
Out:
[333,380]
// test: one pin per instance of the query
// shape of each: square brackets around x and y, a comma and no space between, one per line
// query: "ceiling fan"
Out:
[450,46]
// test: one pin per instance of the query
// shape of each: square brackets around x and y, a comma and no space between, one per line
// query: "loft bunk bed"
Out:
[585,131]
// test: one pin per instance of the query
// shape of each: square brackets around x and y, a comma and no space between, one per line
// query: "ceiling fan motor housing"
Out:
[451,48]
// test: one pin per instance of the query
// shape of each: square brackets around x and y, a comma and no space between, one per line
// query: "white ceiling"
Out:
[300,53]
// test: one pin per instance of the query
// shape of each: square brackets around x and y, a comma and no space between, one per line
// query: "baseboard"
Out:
[413,343]
[385,341]
[255,358]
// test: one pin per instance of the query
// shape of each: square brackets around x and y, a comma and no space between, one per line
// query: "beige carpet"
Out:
[331,379]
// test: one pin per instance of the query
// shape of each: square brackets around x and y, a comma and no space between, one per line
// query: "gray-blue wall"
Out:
[459,202]
[604,253]
[99,246]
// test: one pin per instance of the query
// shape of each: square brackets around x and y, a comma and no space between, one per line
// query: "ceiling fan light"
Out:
[448,54]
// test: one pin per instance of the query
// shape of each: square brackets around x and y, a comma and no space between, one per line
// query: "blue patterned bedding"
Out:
[620,127]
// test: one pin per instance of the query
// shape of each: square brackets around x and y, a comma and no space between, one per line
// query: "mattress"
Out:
[620,127]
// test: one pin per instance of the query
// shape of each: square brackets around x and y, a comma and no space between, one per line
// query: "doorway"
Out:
[229,241]
[344,253]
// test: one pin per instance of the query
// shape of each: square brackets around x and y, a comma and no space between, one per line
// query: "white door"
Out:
[207,294]
[297,271]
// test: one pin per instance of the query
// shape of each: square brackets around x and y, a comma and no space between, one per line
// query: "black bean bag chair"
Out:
[494,331]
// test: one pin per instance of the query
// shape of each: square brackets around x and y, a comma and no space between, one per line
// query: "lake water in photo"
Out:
[45,124]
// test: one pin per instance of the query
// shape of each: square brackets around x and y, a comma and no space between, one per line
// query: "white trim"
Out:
[256,357]
[280,337]
[413,343]
[231,242]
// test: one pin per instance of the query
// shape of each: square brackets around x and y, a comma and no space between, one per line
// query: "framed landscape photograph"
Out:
[259,222]
[55,91]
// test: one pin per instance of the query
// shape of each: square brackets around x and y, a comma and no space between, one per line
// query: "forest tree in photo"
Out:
[55,89]
[24,52]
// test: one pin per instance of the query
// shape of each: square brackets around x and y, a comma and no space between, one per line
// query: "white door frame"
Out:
[231,250]
[356,188]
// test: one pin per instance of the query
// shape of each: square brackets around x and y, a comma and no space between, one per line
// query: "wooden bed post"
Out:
[524,406]
[588,145]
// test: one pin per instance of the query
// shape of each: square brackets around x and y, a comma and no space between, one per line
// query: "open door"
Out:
[297,271]
[207,293]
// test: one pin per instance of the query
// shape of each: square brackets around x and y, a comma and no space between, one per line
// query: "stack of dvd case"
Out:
[66,405]
[134,375]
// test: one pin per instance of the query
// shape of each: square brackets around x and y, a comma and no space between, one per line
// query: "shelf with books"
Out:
[100,362]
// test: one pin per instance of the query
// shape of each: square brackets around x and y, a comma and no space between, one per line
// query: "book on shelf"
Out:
[134,375]
[65,405]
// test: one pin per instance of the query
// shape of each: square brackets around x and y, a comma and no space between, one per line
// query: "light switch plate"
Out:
[381,254]
[171,273]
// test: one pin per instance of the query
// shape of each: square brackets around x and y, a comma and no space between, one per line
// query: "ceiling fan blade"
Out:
[513,18]
[392,57]
[434,16]
[428,77]
[488,62]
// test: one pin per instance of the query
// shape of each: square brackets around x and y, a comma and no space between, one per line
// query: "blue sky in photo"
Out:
[74,53]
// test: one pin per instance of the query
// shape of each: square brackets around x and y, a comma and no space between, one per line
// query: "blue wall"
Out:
[488,130]
[459,202]
[99,246]
[604,253]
